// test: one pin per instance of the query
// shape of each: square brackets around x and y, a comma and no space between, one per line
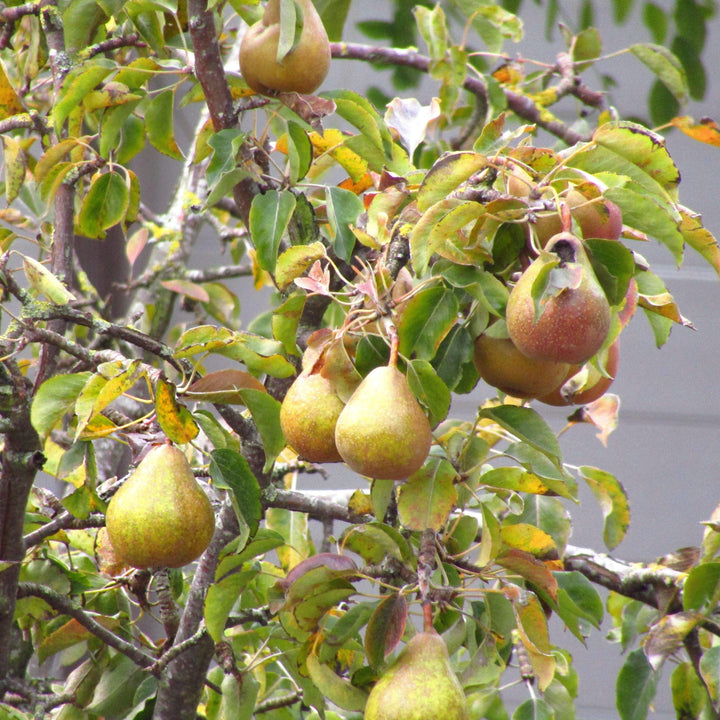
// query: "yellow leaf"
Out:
[175,419]
[705,130]
[9,101]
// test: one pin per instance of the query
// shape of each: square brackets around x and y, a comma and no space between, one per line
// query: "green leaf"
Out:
[336,689]
[223,595]
[265,411]
[578,599]
[428,317]
[613,502]
[429,495]
[15,167]
[702,587]
[652,216]
[628,149]
[440,230]
[375,541]
[665,65]
[635,687]
[43,282]
[429,389]
[229,469]
[710,671]
[54,398]
[293,527]
[225,145]
[455,351]
[445,176]
[291,23]
[270,214]
[300,152]
[526,425]
[688,694]
[104,205]
[76,85]
[535,708]
[159,123]
[343,209]
[294,261]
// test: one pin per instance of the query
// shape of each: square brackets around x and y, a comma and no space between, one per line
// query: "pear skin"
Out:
[302,70]
[574,319]
[160,517]
[419,685]
[383,432]
[503,366]
[308,416]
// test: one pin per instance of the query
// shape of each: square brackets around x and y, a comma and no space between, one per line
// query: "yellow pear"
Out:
[303,68]
[308,416]
[160,517]
[419,685]
[383,432]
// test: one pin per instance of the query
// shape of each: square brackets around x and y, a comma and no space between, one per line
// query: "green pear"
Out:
[308,415]
[160,517]
[572,320]
[383,432]
[419,685]
[303,68]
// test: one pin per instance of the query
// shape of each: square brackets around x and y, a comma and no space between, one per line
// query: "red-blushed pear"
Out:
[503,366]
[557,310]
[305,65]
[382,432]
[419,685]
[586,383]
[160,516]
[597,218]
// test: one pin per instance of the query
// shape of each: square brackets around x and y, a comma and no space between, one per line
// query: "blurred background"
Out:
[666,449]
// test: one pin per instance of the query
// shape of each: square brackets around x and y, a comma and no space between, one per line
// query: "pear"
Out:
[160,517]
[304,67]
[382,431]
[573,318]
[308,416]
[419,685]
[503,366]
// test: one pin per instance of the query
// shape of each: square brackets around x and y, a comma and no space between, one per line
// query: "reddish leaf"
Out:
[385,628]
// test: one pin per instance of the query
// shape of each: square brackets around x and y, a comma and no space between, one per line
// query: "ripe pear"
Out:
[585,383]
[419,685]
[383,432]
[308,416]
[503,366]
[304,67]
[573,318]
[160,517]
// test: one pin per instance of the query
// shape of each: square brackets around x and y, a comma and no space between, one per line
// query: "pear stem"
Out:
[427,616]
[394,346]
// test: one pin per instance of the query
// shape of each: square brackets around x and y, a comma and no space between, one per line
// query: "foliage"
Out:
[370,232]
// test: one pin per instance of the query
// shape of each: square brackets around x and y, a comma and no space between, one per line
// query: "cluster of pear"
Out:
[419,684]
[380,432]
[160,516]
[550,341]
[302,69]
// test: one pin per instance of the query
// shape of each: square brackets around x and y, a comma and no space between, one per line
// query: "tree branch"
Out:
[182,680]
[66,606]
[210,73]
[522,106]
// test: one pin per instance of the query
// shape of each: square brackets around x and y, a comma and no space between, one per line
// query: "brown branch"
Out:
[64,521]
[210,73]
[182,681]
[65,606]
[522,106]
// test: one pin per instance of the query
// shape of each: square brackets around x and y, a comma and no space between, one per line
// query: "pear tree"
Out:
[241,488]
